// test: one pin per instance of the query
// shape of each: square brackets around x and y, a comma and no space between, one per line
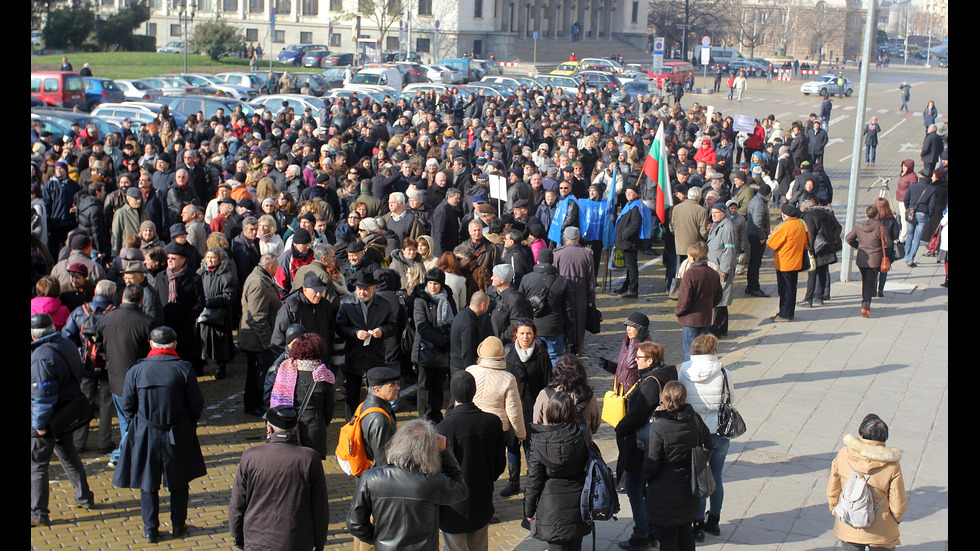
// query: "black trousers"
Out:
[150,508]
[430,392]
[869,286]
[786,283]
[352,386]
[254,381]
[757,249]
[632,283]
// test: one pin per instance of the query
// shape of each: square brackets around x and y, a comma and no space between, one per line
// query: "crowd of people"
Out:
[374,247]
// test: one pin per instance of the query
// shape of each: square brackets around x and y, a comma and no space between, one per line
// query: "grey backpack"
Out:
[856,507]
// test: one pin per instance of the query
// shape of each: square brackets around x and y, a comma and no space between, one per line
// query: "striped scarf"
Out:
[284,388]
[172,278]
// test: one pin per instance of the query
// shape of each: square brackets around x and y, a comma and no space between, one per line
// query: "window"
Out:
[175,29]
[636,12]
[229,5]
[365,6]
[478,48]
[425,7]
[282,6]
[50,85]
[256,6]
[279,37]
[336,5]
[151,29]
[204,5]
[305,37]
[335,39]
[35,84]
[392,43]
[251,35]
[422,45]
[477,9]
[309,7]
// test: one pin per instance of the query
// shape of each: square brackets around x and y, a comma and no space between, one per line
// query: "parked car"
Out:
[411,72]
[313,58]
[175,86]
[294,52]
[379,76]
[598,79]
[318,84]
[273,103]
[826,85]
[600,64]
[100,90]
[252,80]
[399,55]
[471,69]
[751,69]
[567,84]
[207,105]
[63,119]
[36,40]
[239,92]
[334,76]
[634,88]
[172,47]
[137,90]
[58,88]
[490,67]
[337,60]
[568,68]
[138,112]
[492,89]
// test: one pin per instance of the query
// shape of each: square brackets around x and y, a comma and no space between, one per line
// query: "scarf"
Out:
[524,355]
[444,312]
[284,389]
[172,278]
[162,352]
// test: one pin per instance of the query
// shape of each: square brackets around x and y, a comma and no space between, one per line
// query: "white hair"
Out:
[105,288]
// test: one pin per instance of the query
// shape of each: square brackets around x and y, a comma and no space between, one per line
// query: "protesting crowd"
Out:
[443,242]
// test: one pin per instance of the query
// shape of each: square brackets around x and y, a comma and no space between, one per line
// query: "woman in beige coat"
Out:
[868,455]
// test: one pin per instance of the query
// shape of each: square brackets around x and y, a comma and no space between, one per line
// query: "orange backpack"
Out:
[350,446]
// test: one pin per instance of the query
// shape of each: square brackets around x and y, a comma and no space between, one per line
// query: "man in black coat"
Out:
[162,403]
[628,240]
[125,333]
[279,499]
[363,321]
[511,304]
[476,439]
[549,292]
[816,142]
[932,148]
[466,333]
[182,295]
[307,308]
[445,223]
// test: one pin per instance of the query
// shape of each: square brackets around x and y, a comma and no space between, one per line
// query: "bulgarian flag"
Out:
[655,169]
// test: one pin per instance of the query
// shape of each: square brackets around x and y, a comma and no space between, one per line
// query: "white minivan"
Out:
[389,77]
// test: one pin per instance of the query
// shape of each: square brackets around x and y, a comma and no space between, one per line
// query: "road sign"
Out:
[437,24]
[272,19]
[536,35]
[658,45]
[706,41]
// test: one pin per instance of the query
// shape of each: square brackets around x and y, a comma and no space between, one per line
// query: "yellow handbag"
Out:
[614,404]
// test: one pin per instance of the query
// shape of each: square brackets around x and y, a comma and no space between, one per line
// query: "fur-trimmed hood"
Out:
[869,453]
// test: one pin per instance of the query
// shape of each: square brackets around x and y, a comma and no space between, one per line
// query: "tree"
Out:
[702,15]
[68,27]
[215,37]
[116,33]
[383,13]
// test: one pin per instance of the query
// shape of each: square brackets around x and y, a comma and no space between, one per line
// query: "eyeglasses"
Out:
[526,322]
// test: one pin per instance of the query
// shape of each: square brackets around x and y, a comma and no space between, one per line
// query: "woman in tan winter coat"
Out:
[868,455]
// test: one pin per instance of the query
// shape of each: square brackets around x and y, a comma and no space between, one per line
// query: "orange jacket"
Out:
[789,241]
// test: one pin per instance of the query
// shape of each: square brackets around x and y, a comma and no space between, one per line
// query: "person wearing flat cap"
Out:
[279,498]
[181,293]
[723,252]
[363,320]
[309,308]
[162,402]
[789,242]
[378,427]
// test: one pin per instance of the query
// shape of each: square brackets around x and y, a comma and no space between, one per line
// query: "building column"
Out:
[594,18]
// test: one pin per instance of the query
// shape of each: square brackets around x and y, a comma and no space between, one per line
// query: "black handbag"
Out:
[212,317]
[730,423]
[71,416]
[702,481]
[593,320]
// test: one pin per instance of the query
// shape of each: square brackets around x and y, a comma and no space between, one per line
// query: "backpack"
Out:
[93,350]
[856,507]
[599,499]
[351,454]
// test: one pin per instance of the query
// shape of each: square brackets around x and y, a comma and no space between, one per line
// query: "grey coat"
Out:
[723,251]
[260,304]
[575,264]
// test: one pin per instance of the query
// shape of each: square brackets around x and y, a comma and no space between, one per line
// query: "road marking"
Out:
[892,128]
[909,147]
[838,119]
[833,141]
[781,115]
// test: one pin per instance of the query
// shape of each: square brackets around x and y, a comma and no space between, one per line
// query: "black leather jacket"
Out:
[404,506]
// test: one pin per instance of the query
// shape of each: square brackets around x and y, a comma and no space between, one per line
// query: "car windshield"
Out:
[290,49]
[365,78]
[196,81]
[140,85]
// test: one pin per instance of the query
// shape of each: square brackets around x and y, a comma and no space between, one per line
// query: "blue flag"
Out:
[561,211]
[608,226]
[593,217]
[646,217]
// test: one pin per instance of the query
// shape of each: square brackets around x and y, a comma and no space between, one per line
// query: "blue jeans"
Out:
[636,492]
[691,333]
[717,463]
[555,347]
[869,154]
[915,236]
[123,427]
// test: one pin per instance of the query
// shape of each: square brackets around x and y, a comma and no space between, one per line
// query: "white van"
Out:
[720,55]
[387,76]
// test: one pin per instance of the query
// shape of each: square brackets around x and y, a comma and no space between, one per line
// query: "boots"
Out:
[711,525]
[698,530]
[513,486]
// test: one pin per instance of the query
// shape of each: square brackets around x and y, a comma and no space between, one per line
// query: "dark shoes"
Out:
[257,412]
[631,294]
[179,531]
[152,537]
[512,488]
[698,530]
[945,283]
[40,523]
[635,544]
[781,319]
[757,293]
[806,303]
[711,525]
[220,373]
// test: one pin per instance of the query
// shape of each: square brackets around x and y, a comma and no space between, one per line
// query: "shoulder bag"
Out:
[614,404]
[886,263]
[730,423]
[702,481]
